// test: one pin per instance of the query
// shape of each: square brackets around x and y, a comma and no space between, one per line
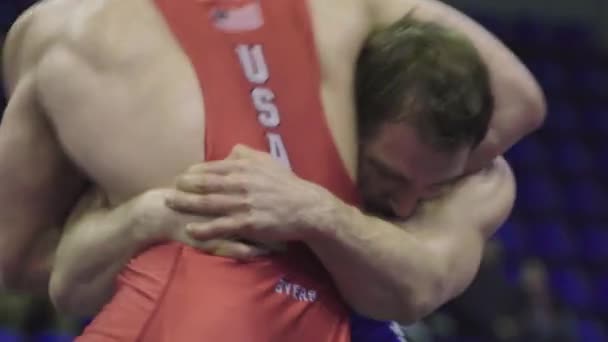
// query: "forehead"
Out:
[398,147]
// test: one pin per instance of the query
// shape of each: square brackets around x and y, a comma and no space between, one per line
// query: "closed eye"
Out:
[388,173]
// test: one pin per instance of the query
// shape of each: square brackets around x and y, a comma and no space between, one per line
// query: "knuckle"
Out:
[246,203]
[242,165]
[202,201]
[183,181]
[249,221]
[238,182]
[198,182]
[194,168]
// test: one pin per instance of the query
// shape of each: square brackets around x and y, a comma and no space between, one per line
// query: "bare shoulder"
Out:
[84,28]
[31,35]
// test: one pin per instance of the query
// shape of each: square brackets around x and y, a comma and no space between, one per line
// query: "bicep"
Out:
[456,228]
[519,104]
[38,184]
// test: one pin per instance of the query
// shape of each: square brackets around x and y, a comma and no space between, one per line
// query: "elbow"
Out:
[64,298]
[424,293]
[420,301]
[532,104]
[72,298]
[536,108]
[58,293]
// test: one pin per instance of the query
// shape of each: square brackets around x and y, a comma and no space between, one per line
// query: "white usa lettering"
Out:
[257,73]
[253,63]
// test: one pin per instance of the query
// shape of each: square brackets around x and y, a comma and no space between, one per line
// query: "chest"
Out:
[132,103]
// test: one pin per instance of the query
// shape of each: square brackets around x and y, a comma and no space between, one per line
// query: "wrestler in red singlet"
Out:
[257,66]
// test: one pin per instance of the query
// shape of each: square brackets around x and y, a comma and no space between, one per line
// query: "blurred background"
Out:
[545,275]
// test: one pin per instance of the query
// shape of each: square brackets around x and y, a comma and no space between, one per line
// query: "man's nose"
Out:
[404,205]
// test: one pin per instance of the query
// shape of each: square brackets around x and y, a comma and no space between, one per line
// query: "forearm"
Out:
[382,271]
[405,271]
[91,253]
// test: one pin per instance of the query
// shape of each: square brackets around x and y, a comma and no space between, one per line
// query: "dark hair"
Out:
[427,76]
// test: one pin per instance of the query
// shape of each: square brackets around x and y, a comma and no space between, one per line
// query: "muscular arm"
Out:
[403,274]
[519,101]
[97,243]
[383,270]
[38,184]
[100,240]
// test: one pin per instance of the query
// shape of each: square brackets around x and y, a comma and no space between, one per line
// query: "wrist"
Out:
[142,217]
[326,218]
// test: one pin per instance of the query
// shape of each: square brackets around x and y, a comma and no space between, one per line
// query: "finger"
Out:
[240,151]
[219,228]
[226,248]
[237,250]
[207,204]
[271,246]
[246,152]
[231,249]
[220,167]
[204,183]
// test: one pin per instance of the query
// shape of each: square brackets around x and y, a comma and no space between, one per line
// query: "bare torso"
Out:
[125,101]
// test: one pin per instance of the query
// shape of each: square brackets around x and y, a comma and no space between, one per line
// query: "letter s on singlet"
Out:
[263,101]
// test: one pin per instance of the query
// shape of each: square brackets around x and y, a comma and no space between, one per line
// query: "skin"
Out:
[397,170]
[50,150]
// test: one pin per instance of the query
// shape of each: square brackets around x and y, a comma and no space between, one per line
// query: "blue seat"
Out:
[551,241]
[590,82]
[577,36]
[527,155]
[538,194]
[562,121]
[53,337]
[596,120]
[573,158]
[572,288]
[9,336]
[494,24]
[601,160]
[528,32]
[512,239]
[8,14]
[593,243]
[601,295]
[586,199]
[551,76]
[591,331]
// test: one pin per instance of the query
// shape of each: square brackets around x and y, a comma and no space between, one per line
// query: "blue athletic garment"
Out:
[369,330]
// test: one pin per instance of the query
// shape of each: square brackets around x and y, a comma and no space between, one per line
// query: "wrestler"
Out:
[384,149]
[58,135]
